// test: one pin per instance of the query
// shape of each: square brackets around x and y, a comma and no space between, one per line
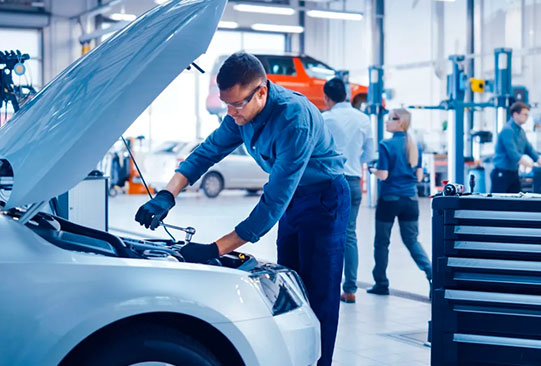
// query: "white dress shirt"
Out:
[352,134]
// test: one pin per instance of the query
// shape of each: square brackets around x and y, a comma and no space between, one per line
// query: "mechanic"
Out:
[399,168]
[512,150]
[306,191]
[353,138]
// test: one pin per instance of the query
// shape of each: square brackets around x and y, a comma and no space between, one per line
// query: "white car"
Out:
[72,295]
[238,170]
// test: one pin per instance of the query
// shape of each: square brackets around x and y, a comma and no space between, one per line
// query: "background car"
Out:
[238,170]
[301,73]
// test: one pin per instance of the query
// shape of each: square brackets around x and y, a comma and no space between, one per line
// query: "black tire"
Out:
[143,343]
[212,184]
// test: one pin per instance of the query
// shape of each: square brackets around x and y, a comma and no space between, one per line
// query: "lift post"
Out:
[376,111]
[502,86]
[456,86]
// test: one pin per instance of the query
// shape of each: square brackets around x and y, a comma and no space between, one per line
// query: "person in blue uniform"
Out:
[512,149]
[352,135]
[399,170]
[306,191]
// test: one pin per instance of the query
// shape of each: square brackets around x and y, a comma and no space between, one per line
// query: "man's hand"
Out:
[155,210]
[526,161]
[199,253]
[380,174]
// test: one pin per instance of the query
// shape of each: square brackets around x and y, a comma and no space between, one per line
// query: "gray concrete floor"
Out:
[377,330]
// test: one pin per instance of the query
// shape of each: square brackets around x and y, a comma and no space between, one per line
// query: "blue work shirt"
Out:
[510,146]
[402,180]
[288,140]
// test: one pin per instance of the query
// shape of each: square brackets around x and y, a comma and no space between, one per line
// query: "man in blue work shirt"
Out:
[306,191]
[512,150]
[353,138]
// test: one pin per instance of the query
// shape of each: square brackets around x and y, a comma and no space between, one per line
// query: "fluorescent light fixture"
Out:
[446,1]
[123,17]
[278,28]
[334,15]
[228,25]
[160,2]
[264,9]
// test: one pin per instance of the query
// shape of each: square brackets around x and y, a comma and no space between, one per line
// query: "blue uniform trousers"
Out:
[311,238]
[407,211]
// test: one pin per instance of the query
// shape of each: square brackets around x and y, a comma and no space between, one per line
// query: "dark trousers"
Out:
[311,238]
[351,253]
[504,181]
[407,211]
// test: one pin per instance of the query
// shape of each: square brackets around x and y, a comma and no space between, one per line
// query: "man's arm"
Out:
[294,147]
[508,145]
[218,145]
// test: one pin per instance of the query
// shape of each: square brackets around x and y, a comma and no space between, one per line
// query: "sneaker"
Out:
[378,290]
[348,297]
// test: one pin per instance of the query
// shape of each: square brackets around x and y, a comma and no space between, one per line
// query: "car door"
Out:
[283,71]
[241,171]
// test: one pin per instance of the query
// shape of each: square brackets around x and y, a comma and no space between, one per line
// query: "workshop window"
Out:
[281,66]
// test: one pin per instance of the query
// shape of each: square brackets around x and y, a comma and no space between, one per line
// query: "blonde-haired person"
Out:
[399,169]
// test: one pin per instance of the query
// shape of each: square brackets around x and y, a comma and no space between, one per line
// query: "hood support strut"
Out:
[31,212]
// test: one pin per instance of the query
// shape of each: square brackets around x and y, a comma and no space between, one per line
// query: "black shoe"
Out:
[378,290]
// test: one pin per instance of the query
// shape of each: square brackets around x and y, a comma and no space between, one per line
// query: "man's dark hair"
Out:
[517,107]
[240,68]
[335,89]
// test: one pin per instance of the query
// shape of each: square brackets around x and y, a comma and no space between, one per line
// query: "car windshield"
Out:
[317,69]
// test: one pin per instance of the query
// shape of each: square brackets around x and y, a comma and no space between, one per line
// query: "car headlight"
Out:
[282,290]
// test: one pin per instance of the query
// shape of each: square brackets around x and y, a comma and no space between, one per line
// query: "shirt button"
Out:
[253,147]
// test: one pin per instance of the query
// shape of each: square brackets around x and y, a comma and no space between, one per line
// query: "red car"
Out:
[300,73]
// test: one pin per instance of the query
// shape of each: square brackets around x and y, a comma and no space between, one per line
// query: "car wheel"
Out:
[144,345]
[212,184]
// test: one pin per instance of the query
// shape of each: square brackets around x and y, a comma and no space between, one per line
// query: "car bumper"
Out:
[290,339]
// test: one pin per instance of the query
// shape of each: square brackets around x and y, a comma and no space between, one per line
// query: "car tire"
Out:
[212,184]
[143,344]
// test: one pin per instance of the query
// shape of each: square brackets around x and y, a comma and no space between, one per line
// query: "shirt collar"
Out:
[341,105]
[399,133]
[264,115]
[515,125]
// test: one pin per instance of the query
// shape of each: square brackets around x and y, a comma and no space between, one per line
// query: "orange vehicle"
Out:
[300,73]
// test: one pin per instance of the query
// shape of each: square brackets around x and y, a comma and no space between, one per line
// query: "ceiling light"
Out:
[160,2]
[278,28]
[264,9]
[334,15]
[447,1]
[228,25]
[123,17]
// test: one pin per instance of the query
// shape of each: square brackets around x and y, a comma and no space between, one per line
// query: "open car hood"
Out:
[57,138]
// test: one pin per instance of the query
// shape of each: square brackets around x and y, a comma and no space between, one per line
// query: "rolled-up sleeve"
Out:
[294,147]
[218,145]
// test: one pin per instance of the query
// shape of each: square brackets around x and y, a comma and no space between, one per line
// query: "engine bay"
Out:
[70,236]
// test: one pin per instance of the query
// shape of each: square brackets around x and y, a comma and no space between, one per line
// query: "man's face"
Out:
[245,102]
[522,117]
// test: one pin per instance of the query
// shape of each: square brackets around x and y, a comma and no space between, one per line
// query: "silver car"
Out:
[238,170]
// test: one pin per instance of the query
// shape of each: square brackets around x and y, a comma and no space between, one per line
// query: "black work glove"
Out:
[155,210]
[199,253]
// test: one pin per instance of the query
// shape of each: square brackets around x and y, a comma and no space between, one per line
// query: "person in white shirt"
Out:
[353,138]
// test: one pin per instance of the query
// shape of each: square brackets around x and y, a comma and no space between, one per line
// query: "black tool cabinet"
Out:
[486,302]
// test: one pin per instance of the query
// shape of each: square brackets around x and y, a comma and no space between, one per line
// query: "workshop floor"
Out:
[377,330]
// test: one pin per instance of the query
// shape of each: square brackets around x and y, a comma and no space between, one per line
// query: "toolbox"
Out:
[486,301]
